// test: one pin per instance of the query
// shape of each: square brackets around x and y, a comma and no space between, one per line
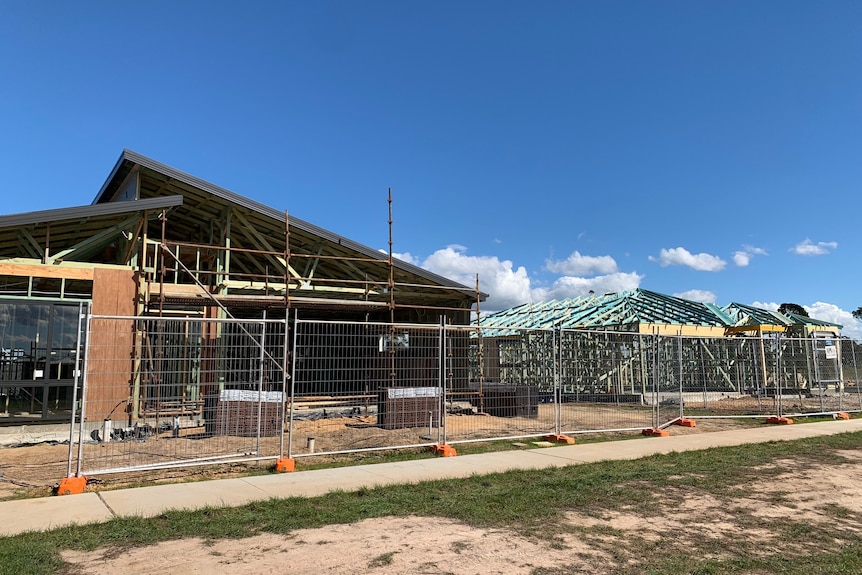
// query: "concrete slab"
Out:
[15,435]
[314,483]
[44,513]
[501,461]
[411,471]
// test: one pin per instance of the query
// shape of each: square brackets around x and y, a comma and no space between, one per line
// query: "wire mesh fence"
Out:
[607,381]
[166,392]
[362,386]
[506,388]
[773,374]
[160,392]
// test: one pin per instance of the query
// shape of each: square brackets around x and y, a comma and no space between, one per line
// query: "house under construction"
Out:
[157,242]
[613,344]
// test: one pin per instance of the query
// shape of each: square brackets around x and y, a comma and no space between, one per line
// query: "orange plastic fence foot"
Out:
[285,465]
[685,422]
[655,432]
[842,415]
[559,439]
[444,450]
[72,485]
[779,420]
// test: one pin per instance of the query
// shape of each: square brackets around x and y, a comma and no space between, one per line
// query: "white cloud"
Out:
[580,265]
[509,285]
[827,312]
[755,251]
[571,286]
[831,312]
[682,257]
[809,248]
[506,285]
[703,296]
[406,257]
[743,257]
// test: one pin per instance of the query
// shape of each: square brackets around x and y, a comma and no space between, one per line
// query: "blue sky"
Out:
[705,149]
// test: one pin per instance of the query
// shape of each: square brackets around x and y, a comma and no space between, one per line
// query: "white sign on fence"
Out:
[402,392]
[250,395]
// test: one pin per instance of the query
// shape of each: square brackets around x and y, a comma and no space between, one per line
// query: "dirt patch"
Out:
[392,545]
[32,469]
[821,497]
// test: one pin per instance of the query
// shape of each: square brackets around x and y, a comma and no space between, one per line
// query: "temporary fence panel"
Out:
[798,378]
[162,392]
[167,392]
[772,374]
[667,399]
[726,376]
[365,386]
[607,381]
[850,354]
[506,387]
[812,374]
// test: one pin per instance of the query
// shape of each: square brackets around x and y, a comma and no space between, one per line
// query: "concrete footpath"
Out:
[49,512]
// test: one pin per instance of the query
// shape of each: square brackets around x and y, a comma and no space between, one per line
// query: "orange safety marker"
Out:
[71,485]
[842,415]
[444,450]
[779,420]
[559,439]
[285,465]
[655,432]
[685,422]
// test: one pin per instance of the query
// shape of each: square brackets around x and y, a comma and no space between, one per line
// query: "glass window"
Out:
[38,347]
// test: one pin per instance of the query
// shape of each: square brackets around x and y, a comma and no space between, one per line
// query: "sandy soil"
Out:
[590,544]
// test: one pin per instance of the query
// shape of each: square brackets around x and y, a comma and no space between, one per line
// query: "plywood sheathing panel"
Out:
[109,370]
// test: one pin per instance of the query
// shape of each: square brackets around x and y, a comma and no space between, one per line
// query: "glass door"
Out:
[38,348]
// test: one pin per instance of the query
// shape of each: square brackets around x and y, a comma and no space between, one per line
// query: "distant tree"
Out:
[793,308]
[858,313]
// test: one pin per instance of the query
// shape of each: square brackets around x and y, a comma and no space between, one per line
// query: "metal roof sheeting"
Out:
[129,159]
[86,212]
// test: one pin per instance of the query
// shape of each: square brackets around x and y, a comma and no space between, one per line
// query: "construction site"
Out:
[172,323]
